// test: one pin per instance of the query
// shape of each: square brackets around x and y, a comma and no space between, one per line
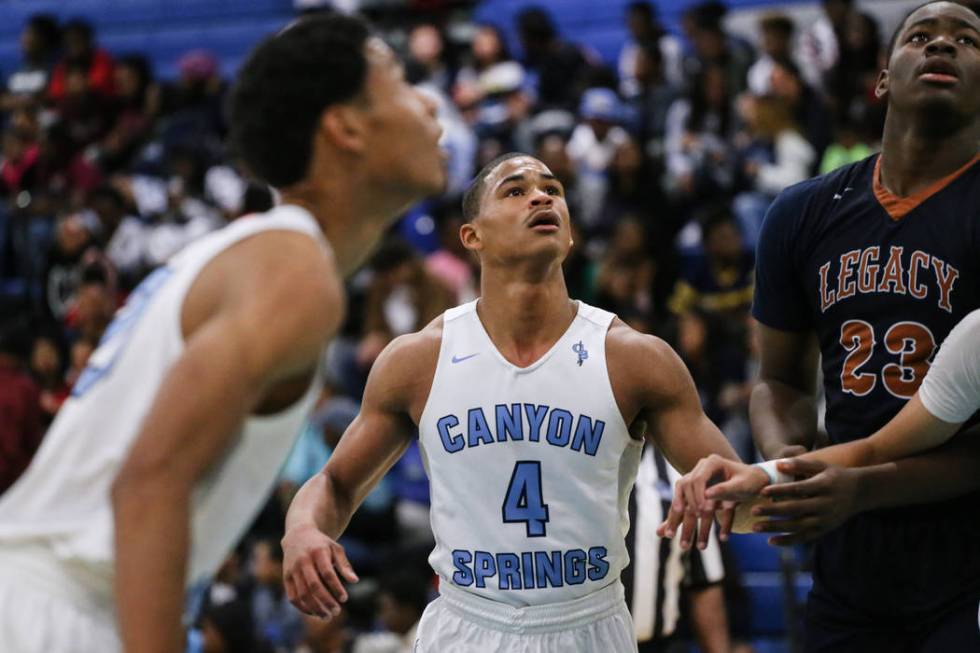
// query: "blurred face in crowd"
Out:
[935,65]
[31,43]
[775,42]
[425,45]
[692,334]
[267,570]
[638,23]
[487,48]
[723,243]
[77,43]
[552,153]
[45,359]
[400,144]
[80,353]
[785,84]
[523,215]
[127,81]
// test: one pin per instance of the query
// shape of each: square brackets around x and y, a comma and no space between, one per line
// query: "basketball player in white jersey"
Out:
[531,410]
[948,398]
[178,427]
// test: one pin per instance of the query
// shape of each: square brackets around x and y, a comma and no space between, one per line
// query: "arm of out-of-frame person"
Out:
[395,395]
[658,399]
[891,473]
[254,322]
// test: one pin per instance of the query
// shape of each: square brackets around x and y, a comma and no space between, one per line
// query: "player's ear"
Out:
[344,127]
[881,84]
[469,235]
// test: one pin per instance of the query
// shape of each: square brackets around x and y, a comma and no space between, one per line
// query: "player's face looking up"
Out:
[935,64]
[522,215]
[400,139]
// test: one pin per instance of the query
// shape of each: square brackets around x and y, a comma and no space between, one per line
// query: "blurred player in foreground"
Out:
[531,410]
[176,430]
[877,262]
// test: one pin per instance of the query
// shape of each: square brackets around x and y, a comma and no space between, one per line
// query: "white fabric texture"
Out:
[951,389]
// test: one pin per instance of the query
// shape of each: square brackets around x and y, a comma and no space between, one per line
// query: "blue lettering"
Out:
[598,567]
[508,565]
[527,568]
[559,427]
[588,434]
[548,568]
[483,567]
[535,418]
[463,575]
[509,422]
[575,567]
[478,430]
[451,443]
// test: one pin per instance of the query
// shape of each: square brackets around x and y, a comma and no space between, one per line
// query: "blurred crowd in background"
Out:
[670,159]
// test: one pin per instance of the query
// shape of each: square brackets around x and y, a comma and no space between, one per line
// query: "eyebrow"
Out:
[520,177]
[931,22]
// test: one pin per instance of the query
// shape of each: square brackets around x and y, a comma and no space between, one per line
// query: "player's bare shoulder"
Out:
[642,368]
[402,375]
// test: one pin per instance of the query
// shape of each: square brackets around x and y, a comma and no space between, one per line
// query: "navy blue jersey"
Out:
[881,288]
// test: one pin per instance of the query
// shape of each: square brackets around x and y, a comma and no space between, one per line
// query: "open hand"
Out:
[311,562]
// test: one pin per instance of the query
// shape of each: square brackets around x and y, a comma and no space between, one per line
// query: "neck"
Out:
[914,154]
[352,212]
[524,311]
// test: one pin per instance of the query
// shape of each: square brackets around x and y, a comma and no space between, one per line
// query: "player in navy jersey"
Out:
[871,266]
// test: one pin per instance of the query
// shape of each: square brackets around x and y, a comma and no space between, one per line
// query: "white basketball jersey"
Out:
[530,468]
[62,505]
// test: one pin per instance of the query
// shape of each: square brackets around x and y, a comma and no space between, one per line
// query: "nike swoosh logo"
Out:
[460,359]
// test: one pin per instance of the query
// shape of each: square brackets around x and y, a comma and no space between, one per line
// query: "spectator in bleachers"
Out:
[646,31]
[776,31]
[624,280]
[325,636]
[82,53]
[39,43]
[122,235]
[808,109]
[650,102]
[714,47]
[86,113]
[560,68]
[192,108]
[502,111]
[777,156]
[21,426]
[427,49]
[851,82]
[718,281]
[451,264]
[487,49]
[18,159]
[137,100]
[276,622]
[850,145]
[228,628]
[698,131]
[713,356]
[48,371]
[593,146]
[81,350]
[401,600]
[62,170]
[820,44]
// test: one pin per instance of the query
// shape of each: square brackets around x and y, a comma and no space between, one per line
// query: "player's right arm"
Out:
[396,389]
[255,319]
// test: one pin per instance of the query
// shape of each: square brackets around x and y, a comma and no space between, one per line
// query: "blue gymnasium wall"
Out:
[164,29]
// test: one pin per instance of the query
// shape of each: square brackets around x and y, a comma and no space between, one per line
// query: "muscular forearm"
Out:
[152,541]
[781,416]
[319,503]
[709,620]
[944,473]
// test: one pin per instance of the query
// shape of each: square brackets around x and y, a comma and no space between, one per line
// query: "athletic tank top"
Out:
[530,468]
[62,502]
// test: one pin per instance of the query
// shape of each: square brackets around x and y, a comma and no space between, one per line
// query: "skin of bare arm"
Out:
[658,399]
[709,619]
[394,398]
[261,312]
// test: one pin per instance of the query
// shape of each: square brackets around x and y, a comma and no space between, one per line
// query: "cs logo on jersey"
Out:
[579,349]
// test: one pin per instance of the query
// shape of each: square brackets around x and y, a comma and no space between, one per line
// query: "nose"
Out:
[941,44]
[541,198]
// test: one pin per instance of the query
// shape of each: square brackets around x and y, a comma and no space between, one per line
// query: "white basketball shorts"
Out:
[461,622]
[43,609]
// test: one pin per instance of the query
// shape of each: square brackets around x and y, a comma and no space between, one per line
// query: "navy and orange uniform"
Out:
[880,280]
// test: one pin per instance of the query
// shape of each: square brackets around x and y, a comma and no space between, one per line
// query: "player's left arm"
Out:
[653,386]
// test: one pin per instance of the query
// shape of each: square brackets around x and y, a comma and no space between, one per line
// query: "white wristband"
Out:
[775,476]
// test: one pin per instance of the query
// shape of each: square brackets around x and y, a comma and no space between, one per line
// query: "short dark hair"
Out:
[474,193]
[408,589]
[81,27]
[284,87]
[776,22]
[893,41]
[46,27]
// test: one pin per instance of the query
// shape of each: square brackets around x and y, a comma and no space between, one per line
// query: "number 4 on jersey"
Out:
[523,501]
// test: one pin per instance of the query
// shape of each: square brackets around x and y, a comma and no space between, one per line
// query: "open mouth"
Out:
[544,221]
[939,71]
